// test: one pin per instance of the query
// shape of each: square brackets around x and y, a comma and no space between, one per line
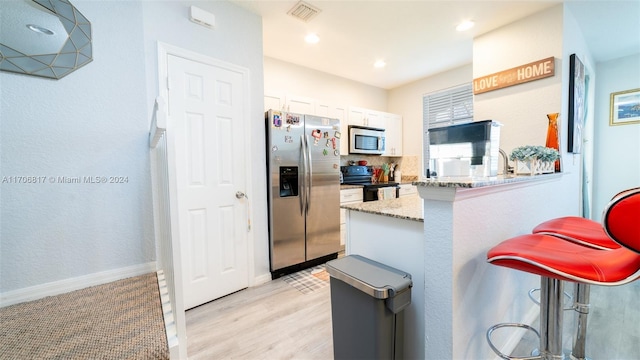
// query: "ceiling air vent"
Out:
[304,11]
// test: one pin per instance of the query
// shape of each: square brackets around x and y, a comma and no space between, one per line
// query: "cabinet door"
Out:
[357,116]
[407,189]
[273,101]
[340,113]
[323,109]
[301,105]
[365,117]
[347,196]
[393,133]
[343,226]
[375,119]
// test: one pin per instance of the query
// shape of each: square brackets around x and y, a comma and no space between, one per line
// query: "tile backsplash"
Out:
[409,165]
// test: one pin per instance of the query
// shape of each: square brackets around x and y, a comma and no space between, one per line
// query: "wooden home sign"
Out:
[518,75]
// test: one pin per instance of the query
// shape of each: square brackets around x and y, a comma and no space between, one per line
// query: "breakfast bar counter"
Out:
[463,219]
[441,238]
[478,182]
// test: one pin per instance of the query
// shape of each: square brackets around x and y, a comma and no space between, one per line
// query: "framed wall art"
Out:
[625,107]
[577,92]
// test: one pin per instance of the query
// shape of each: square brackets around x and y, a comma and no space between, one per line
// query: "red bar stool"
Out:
[589,233]
[557,260]
[580,230]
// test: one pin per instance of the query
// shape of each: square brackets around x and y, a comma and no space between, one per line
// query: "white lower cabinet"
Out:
[407,189]
[347,196]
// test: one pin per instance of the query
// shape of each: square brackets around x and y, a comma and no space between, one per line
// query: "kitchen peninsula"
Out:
[391,232]
[456,295]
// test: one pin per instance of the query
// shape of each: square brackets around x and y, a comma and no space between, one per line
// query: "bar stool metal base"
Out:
[550,334]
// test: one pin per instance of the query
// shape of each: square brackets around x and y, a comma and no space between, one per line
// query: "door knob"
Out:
[240,194]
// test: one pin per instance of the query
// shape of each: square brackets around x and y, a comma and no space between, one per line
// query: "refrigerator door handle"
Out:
[302,181]
[309,173]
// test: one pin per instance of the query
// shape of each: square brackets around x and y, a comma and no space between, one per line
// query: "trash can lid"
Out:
[369,276]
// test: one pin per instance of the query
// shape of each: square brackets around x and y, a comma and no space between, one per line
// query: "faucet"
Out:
[508,169]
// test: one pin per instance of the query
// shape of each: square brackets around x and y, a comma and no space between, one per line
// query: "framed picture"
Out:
[577,92]
[625,107]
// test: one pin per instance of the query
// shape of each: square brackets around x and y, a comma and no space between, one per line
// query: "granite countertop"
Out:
[405,180]
[347,186]
[469,182]
[405,207]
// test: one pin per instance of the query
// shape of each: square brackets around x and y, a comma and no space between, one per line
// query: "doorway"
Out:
[206,128]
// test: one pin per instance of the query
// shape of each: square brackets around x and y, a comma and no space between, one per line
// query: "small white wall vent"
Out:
[202,17]
[304,11]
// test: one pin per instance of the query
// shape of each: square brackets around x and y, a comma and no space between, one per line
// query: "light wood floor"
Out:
[276,321]
[270,321]
[613,327]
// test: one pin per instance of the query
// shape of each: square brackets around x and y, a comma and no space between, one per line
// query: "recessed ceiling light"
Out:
[312,38]
[465,25]
[40,29]
[379,64]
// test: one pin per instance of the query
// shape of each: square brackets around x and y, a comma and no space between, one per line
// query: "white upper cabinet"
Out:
[393,134]
[392,123]
[365,117]
[301,105]
[290,103]
[340,112]
[351,115]
[274,101]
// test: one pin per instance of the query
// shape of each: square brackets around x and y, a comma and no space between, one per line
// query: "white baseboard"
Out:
[261,279]
[63,286]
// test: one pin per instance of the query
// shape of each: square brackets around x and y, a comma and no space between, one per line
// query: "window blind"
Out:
[444,108]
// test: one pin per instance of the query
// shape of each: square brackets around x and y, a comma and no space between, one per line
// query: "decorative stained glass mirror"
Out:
[47,38]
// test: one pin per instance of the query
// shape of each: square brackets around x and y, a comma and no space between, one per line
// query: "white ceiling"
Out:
[418,38]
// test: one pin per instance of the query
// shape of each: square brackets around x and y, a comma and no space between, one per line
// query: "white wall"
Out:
[91,123]
[407,100]
[521,108]
[283,78]
[617,148]
[95,122]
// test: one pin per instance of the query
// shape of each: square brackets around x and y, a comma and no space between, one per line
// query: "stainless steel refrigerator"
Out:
[303,175]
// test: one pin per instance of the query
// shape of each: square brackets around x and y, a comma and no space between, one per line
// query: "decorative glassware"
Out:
[552,136]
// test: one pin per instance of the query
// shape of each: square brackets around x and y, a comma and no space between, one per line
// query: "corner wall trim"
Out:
[63,286]
[261,279]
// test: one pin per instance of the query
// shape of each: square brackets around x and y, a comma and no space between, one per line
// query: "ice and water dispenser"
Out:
[288,181]
[465,150]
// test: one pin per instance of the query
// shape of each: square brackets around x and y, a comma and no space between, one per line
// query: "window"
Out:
[444,108]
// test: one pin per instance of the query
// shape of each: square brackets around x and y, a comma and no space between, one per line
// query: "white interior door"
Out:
[206,116]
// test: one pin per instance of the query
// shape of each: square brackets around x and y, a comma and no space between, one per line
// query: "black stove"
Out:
[361,175]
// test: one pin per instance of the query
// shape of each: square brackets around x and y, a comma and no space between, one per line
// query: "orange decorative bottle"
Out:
[552,136]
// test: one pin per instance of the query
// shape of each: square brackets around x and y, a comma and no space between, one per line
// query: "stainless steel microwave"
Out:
[366,140]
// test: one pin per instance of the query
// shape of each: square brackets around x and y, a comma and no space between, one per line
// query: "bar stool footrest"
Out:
[537,301]
[516,325]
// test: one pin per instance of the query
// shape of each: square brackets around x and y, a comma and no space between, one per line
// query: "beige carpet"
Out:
[118,320]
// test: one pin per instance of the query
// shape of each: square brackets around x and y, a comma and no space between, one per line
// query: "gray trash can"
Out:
[367,303]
